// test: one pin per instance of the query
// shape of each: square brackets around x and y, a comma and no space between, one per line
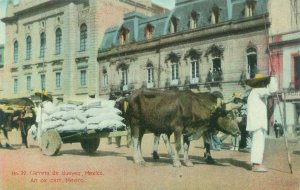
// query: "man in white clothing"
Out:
[257,122]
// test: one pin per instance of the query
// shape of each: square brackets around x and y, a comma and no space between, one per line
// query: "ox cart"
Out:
[52,140]
[77,122]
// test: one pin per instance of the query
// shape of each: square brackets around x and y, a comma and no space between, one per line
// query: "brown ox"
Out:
[179,112]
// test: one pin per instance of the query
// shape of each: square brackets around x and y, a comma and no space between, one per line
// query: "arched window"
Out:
[150,75]
[148,31]
[123,36]
[28,47]
[83,37]
[58,36]
[173,25]
[16,52]
[43,44]
[252,62]
[193,20]
[216,69]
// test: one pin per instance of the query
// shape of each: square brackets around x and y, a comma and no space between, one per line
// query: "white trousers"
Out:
[258,146]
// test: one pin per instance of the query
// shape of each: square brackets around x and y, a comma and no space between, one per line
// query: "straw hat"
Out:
[236,95]
[259,81]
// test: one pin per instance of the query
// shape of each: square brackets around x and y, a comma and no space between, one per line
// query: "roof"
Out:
[136,22]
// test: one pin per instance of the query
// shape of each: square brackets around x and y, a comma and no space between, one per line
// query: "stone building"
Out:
[201,44]
[52,45]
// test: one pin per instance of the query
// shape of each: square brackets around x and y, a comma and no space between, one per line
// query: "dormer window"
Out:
[124,35]
[193,20]
[149,31]
[249,8]
[173,25]
[215,15]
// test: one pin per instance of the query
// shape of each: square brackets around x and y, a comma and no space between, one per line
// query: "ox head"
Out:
[224,121]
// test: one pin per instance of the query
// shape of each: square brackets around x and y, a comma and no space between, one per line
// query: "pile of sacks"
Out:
[98,115]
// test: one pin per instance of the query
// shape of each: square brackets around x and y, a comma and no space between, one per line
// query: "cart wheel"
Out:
[50,142]
[90,145]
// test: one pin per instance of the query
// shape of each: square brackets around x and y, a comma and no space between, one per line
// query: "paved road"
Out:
[112,168]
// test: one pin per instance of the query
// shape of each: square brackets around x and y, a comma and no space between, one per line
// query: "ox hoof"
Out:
[177,164]
[209,160]
[155,155]
[188,163]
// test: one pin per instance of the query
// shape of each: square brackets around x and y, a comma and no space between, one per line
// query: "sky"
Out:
[164,3]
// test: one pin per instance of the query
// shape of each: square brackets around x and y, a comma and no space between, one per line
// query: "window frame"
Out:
[43,81]
[58,79]
[250,52]
[124,78]
[58,41]
[42,44]
[16,52]
[16,86]
[150,76]
[174,73]
[83,78]
[83,37]
[28,83]
[195,71]
[28,47]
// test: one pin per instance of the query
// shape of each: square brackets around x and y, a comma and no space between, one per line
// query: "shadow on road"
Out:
[83,153]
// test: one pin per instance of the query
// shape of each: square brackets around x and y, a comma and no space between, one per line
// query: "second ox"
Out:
[180,112]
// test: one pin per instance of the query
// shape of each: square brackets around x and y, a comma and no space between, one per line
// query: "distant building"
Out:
[52,45]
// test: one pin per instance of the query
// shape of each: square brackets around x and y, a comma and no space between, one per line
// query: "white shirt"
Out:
[257,106]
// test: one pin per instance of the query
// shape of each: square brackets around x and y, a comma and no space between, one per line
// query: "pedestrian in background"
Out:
[257,122]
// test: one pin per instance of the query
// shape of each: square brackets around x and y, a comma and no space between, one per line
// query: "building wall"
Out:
[284,16]
[36,17]
[234,62]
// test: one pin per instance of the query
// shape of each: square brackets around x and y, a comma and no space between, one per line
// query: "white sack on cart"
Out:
[57,115]
[75,127]
[48,108]
[72,122]
[93,120]
[81,117]
[67,107]
[91,105]
[52,124]
[111,124]
[108,103]
[70,115]
[93,112]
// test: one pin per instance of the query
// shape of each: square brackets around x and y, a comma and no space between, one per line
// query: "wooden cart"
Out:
[52,140]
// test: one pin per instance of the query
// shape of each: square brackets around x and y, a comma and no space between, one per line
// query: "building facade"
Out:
[203,45]
[285,59]
[52,45]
